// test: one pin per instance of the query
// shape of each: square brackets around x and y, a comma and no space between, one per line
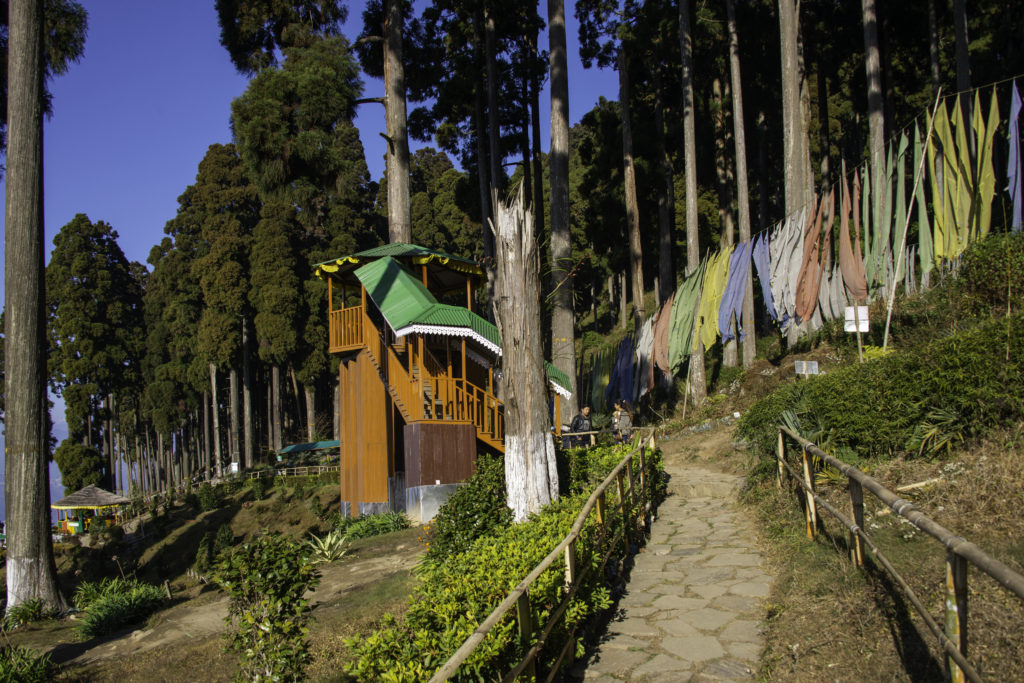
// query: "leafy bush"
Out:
[888,405]
[260,485]
[224,539]
[475,509]
[22,665]
[114,603]
[25,613]
[459,589]
[203,554]
[265,580]
[209,497]
[376,525]
[991,270]
[331,547]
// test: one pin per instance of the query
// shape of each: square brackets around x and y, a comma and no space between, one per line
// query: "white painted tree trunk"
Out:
[530,472]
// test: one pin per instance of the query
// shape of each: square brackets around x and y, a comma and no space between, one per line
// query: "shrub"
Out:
[331,547]
[203,554]
[223,540]
[25,613]
[991,270]
[114,603]
[477,508]
[209,497]
[265,580]
[376,525]
[973,380]
[22,665]
[458,590]
[260,485]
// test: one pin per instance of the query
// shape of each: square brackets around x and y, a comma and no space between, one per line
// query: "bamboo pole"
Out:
[956,611]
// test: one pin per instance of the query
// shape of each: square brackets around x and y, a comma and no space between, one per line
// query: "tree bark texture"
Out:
[248,431]
[397,157]
[218,461]
[234,412]
[636,256]
[310,412]
[742,189]
[31,572]
[530,470]
[933,48]
[275,381]
[696,369]
[876,106]
[493,124]
[666,198]
[730,349]
[563,346]
[793,137]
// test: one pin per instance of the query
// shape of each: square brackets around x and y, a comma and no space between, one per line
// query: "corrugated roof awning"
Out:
[312,446]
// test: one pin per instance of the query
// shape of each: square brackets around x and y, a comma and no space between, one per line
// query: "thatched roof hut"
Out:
[90,498]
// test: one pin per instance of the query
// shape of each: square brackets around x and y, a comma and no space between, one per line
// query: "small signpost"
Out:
[805,367]
[857,321]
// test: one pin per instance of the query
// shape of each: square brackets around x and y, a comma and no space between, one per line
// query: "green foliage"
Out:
[588,467]
[460,588]
[208,496]
[376,525]
[203,554]
[329,548]
[223,540]
[80,465]
[112,604]
[477,508]
[916,400]
[991,275]
[260,485]
[22,665]
[25,613]
[265,580]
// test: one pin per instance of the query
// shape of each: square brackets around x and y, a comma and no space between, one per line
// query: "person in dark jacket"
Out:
[581,423]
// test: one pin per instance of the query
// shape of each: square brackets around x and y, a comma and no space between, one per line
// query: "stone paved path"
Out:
[692,609]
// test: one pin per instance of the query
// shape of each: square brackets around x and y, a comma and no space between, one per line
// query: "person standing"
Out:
[581,423]
[622,421]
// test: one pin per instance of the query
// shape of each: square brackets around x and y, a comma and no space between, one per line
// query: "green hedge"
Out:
[458,591]
[964,385]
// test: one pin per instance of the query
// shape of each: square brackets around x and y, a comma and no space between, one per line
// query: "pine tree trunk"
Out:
[218,460]
[933,48]
[563,346]
[730,349]
[248,432]
[538,166]
[794,142]
[622,300]
[876,108]
[31,572]
[233,439]
[493,125]
[310,412]
[530,470]
[276,389]
[666,199]
[742,190]
[963,60]
[483,161]
[397,157]
[696,372]
[636,257]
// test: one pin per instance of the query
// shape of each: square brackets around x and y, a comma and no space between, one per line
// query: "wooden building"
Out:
[417,382]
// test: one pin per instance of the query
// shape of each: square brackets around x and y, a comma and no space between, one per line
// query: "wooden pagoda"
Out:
[416,377]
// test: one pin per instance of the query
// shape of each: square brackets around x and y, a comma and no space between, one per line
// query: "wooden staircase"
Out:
[427,393]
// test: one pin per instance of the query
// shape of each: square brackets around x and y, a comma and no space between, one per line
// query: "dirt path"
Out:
[203,617]
[692,608]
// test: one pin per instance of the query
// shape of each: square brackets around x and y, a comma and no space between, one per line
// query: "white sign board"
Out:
[855,320]
[234,468]
[805,367]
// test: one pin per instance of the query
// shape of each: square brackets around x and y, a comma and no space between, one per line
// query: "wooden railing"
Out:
[306,471]
[959,552]
[462,401]
[346,329]
[632,488]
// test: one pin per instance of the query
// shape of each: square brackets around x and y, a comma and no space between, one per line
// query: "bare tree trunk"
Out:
[483,163]
[730,349]
[397,157]
[876,107]
[310,412]
[530,471]
[933,48]
[233,440]
[563,347]
[666,198]
[622,299]
[493,125]
[696,372]
[636,256]
[743,192]
[218,462]
[31,572]
[538,165]
[963,60]
[276,419]
[249,435]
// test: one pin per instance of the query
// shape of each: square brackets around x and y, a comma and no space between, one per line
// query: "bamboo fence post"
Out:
[780,457]
[811,510]
[570,564]
[601,512]
[525,619]
[956,611]
[857,512]
[643,472]
[622,510]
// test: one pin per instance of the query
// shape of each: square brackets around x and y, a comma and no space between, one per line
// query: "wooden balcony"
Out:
[346,329]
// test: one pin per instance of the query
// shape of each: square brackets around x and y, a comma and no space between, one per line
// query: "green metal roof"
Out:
[313,446]
[400,297]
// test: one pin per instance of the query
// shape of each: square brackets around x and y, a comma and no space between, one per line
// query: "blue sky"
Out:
[152,92]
